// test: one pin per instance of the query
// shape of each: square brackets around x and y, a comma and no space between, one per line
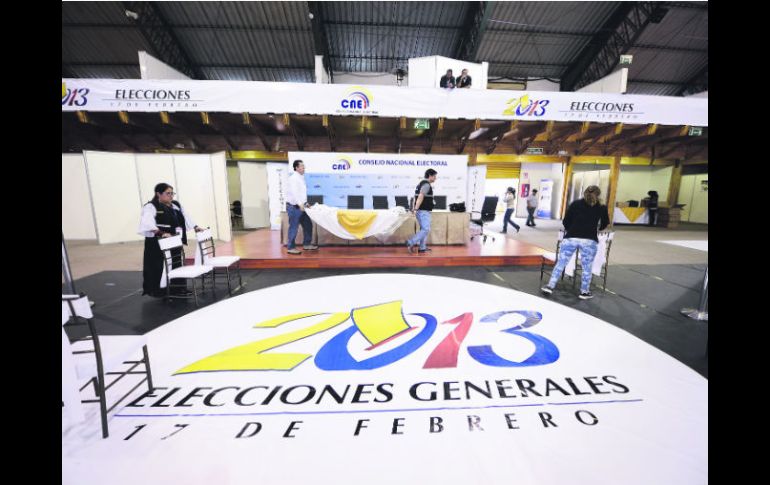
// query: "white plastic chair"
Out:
[549,259]
[89,359]
[603,262]
[189,272]
[206,255]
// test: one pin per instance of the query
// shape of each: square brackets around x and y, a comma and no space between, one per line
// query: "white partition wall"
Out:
[277,177]
[221,197]
[153,169]
[77,217]
[103,193]
[255,195]
[233,182]
[195,189]
[660,179]
[693,193]
[115,195]
[422,72]
[635,181]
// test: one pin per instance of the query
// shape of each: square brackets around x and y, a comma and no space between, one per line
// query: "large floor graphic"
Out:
[384,378]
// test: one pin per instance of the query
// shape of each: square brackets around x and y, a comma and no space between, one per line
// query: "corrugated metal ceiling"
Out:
[275,40]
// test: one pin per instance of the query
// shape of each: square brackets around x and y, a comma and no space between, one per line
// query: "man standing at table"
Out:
[296,202]
[423,205]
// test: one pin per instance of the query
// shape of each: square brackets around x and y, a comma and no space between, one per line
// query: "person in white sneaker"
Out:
[296,202]
[581,221]
[510,200]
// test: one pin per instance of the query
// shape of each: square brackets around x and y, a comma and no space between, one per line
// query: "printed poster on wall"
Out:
[277,174]
[476,181]
[544,204]
[341,179]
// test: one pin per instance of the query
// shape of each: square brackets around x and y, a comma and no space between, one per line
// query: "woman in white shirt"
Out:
[162,217]
[509,198]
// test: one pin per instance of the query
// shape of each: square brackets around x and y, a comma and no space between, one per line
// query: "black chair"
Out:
[90,358]
[355,201]
[380,201]
[402,201]
[487,215]
[315,199]
[439,202]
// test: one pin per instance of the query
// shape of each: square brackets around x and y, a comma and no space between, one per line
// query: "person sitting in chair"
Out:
[464,80]
[447,81]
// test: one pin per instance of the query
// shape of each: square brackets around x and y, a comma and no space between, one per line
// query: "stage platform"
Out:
[262,249]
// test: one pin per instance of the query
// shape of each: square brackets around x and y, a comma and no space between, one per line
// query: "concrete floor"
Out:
[649,282]
[632,245]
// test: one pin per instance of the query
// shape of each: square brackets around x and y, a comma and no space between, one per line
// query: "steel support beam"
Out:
[321,44]
[615,37]
[159,34]
[475,23]
[697,83]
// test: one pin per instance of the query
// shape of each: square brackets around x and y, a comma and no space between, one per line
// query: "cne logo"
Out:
[357,98]
[383,325]
[342,163]
[524,106]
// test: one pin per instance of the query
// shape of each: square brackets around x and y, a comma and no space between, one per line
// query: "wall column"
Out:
[675,184]
[614,175]
[565,189]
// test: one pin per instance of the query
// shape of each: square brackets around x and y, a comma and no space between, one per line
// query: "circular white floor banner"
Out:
[383,378]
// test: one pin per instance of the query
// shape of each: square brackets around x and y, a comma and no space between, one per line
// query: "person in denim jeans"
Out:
[583,218]
[532,202]
[423,206]
[510,199]
[296,201]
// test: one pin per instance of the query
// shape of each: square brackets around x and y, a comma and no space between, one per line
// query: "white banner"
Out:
[277,175]
[397,378]
[544,206]
[342,99]
[476,180]
[335,176]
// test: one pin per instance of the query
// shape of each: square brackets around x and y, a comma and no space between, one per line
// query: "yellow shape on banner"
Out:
[633,213]
[380,322]
[63,90]
[356,222]
[286,318]
[251,356]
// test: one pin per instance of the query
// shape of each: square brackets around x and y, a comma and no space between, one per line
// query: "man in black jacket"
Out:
[447,81]
[464,80]
[423,206]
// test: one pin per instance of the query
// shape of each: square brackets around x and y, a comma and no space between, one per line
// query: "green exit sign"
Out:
[696,131]
[421,124]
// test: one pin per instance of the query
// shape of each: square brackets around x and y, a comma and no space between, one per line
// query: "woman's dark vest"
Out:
[427,201]
[170,217]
